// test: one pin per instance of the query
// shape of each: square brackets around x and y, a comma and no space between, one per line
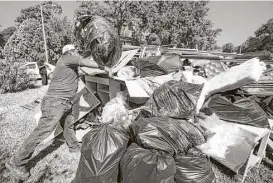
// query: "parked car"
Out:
[32,70]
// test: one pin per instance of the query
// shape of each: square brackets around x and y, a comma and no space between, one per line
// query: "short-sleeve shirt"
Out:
[64,83]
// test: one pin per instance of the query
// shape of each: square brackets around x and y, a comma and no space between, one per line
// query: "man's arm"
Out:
[92,64]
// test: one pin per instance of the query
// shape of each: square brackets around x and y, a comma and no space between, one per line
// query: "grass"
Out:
[52,163]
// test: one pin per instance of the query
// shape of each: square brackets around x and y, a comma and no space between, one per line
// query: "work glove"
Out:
[109,71]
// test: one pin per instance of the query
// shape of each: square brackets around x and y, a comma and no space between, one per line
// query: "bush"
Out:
[12,79]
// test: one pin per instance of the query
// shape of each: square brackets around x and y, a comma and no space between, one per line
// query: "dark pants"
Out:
[54,110]
[44,79]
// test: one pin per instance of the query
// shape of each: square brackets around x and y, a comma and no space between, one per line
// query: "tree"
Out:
[263,39]
[5,35]
[61,34]
[228,48]
[173,22]
[28,42]
[34,12]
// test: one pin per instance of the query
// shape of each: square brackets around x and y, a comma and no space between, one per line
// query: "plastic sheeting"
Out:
[101,38]
[145,166]
[166,134]
[245,111]
[230,145]
[193,167]
[102,150]
[175,99]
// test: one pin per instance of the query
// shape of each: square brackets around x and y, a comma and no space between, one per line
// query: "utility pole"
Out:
[43,27]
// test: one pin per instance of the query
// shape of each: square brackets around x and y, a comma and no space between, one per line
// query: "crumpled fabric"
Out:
[193,167]
[175,99]
[146,166]
[166,134]
[102,150]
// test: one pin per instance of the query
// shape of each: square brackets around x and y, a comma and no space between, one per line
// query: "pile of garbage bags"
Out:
[186,120]
[153,148]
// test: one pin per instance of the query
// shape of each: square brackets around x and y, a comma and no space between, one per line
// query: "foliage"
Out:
[34,12]
[179,22]
[263,39]
[5,35]
[61,33]
[228,48]
[12,78]
[27,45]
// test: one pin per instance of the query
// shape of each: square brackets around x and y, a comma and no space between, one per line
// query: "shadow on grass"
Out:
[268,162]
[226,175]
[54,146]
[223,169]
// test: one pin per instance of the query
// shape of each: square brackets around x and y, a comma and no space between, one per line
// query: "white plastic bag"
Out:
[195,79]
[127,72]
[116,110]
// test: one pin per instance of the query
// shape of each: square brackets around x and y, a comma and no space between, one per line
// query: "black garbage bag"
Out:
[266,103]
[175,99]
[158,65]
[147,69]
[166,134]
[100,38]
[193,167]
[102,150]
[146,166]
[245,110]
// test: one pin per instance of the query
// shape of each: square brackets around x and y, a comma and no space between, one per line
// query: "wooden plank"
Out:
[99,80]
[135,90]
[114,88]
[261,151]
[126,57]
[270,145]
[261,132]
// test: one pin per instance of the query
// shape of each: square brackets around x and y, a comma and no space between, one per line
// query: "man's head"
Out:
[69,49]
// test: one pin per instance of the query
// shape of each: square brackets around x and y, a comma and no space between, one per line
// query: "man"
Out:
[55,106]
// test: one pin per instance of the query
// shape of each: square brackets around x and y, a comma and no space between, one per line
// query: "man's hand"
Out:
[109,71]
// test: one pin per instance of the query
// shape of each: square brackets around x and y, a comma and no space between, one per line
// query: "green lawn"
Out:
[54,163]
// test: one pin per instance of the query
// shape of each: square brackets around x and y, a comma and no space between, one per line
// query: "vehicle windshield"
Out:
[30,66]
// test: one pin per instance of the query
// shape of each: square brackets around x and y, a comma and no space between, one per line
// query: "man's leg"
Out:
[44,79]
[52,111]
[69,132]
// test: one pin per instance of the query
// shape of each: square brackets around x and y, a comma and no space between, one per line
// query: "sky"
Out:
[237,19]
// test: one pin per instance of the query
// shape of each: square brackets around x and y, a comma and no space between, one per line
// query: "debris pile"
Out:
[193,101]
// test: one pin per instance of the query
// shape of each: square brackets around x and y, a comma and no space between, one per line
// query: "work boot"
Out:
[18,172]
[75,149]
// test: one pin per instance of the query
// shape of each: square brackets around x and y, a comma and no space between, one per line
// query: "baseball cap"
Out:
[68,47]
